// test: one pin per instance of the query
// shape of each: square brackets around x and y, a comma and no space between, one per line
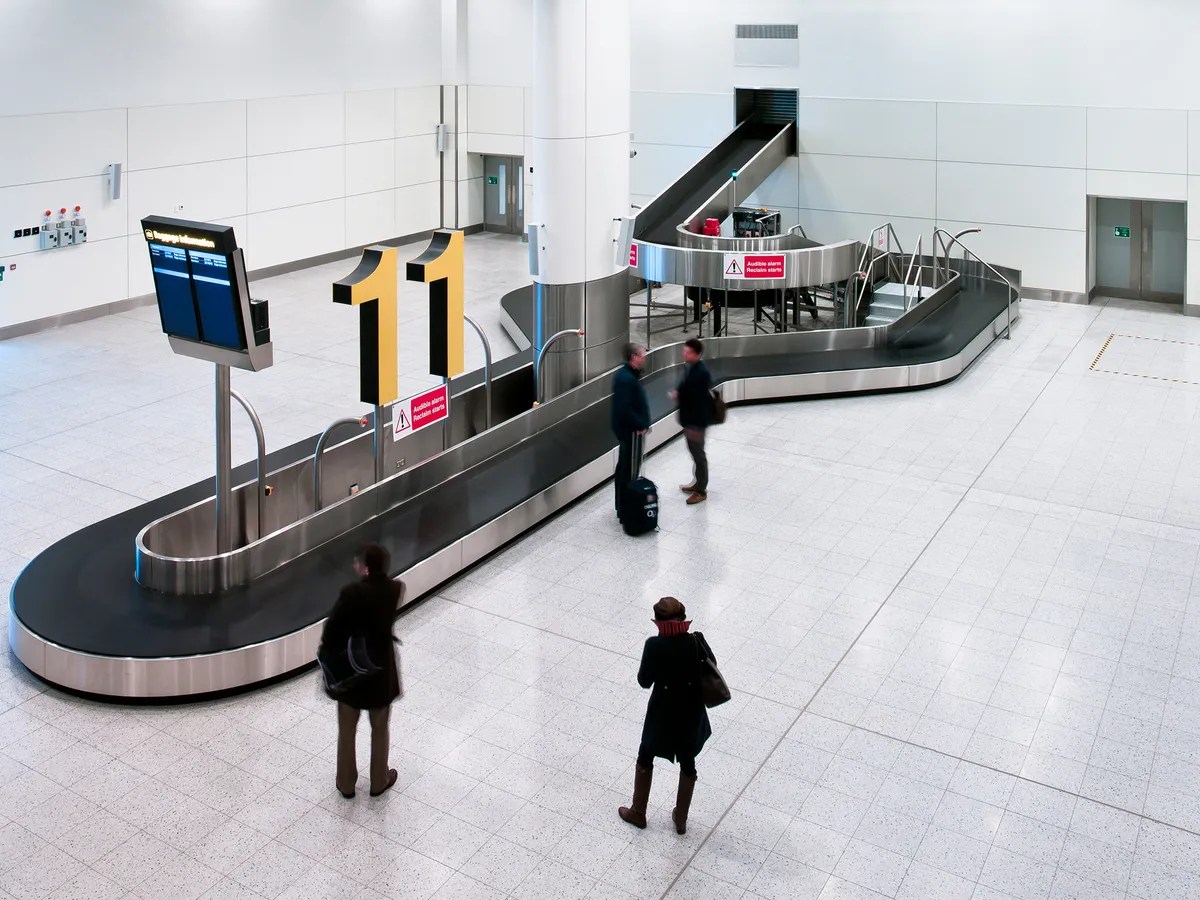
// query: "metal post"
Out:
[261,487]
[378,444]
[320,451]
[649,300]
[224,490]
[446,420]
[541,358]
[487,370]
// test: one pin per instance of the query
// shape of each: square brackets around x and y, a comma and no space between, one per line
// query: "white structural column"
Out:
[580,168]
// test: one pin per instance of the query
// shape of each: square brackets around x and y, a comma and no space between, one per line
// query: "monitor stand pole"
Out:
[224,492]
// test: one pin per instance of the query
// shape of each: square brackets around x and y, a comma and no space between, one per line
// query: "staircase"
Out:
[887,303]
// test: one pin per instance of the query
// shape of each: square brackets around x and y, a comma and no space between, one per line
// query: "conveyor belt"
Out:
[658,224]
[80,593]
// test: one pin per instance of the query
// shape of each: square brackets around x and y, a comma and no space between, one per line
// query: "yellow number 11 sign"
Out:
[373,287]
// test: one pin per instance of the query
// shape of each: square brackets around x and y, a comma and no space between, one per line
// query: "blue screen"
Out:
[173,284]
[220,311]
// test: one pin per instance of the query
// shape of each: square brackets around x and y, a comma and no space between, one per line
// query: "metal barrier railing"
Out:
[946,239]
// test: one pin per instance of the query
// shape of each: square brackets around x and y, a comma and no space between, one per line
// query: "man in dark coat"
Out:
[694,397]
[630,415]
[366,610]
[676,725]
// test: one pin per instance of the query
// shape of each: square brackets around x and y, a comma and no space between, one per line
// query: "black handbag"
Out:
[718,409]
[345,667]
[713,689]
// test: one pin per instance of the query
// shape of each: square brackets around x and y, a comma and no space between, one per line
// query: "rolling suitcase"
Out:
[639,500]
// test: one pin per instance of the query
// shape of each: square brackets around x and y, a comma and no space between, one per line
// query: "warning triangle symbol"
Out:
[403,421]
[733,268]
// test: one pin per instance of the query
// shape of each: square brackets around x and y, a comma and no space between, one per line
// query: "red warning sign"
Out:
[633,256]
[755,266]
[414,413]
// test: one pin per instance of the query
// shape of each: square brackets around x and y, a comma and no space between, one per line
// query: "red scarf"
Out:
[672,626]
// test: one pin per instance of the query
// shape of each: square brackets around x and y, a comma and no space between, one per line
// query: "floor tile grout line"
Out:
[862,631]
[1024,778]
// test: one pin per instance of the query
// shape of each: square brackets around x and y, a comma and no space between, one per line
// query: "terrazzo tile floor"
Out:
[961,626]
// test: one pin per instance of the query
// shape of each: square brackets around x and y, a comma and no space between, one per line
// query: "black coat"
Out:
[676,720]
[630,409]
[695,397]
[367,609]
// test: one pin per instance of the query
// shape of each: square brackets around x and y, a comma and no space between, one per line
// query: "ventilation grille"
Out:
[766,45]
[773,106]
[768,32]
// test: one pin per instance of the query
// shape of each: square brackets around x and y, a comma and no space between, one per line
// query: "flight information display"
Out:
[198,294]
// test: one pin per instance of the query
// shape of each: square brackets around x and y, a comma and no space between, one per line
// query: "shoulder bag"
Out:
[345,667]
[718,409]
[713,689]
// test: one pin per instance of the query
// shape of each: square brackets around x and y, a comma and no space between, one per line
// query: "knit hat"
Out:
[669,608]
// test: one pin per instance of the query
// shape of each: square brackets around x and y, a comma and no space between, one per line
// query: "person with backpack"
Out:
[358,659]
[676,724]
[630,415]
[695,401]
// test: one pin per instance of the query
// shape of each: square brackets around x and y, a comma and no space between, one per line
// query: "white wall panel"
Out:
[280,124]
[53,147]
[1012,195]
[178,135]
[782,187]
[470,200]
[1047,258]
[417,207]
[290,179]
[1194,143]
[495,144]
[831,227]
[1192,297]
[298,232]
[370,218]
[1193,219]
[418,111]
[370,116]
[496,110]
[500,42]
[1138,185]
[24,204]
[657,166]
[417,160]
[58,281]
[206,191]
[1138,140]
[1012,135]
[881,187]
[370,167]
[867,128]
[697,120]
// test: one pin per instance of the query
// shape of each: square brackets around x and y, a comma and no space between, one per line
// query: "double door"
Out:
[503,194]
[1141,249]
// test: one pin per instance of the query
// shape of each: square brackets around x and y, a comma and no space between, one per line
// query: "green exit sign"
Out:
[492,179]
[1120,231]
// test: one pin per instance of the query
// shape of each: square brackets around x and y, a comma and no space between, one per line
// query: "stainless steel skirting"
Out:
[127,677]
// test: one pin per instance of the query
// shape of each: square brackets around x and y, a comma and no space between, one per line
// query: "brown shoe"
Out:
[683,802]
[688,488]
[635,812]
[696,498]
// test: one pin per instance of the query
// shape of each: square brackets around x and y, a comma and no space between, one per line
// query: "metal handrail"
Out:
[946,248]
[487,370]
[852,310]
[1012,291]
[800,228]
[867,262]
[321,441]
[541,358]
[263,489]
[914,261]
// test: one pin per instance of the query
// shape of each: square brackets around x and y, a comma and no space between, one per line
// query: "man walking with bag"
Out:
[630,415]
[695,401]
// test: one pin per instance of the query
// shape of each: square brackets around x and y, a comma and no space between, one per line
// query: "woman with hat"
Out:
[676,724]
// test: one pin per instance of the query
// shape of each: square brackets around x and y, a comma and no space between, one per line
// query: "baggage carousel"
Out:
[81,621]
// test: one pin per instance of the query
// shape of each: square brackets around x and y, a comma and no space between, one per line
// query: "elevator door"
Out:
[1141,249]
[503,194]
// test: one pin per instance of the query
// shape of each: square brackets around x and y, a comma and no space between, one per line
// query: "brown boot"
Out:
[683,802]
[635,813]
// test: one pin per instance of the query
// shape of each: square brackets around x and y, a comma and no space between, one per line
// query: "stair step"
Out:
[880,320]
[887,302]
